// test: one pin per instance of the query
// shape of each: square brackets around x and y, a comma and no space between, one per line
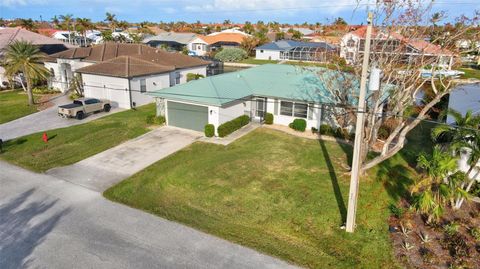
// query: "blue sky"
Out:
[285,11]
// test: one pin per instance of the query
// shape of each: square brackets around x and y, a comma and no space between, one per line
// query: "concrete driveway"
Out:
[111,166]
[46,222]
[44,120]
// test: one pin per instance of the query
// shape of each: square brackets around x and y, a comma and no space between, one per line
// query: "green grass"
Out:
[14,105]
[75,143]
[282,195]
[257,61]
[470,73]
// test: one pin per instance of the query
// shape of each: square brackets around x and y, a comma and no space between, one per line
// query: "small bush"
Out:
[209,130]
[192,76]
[456,245]
[451,228]
[44,90]
[395,210]
[314,130]
[298,125]
[233,125]
[268,118]
[152,119]
[475,233]
[427,255]
[75,95]
[231,55]
[326,129]
[342,134]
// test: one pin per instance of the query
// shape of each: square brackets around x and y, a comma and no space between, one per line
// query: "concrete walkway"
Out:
[233,136]
[44,120]
[46,222]
[107,168]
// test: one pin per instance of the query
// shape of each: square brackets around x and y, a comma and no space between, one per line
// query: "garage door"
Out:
[187,116]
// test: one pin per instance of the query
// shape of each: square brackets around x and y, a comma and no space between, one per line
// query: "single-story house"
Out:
[122,73]
[219,40]
[286,91]
[177,41]
[296,50]
[45,44]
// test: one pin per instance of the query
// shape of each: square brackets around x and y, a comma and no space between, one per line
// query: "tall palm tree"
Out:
[437,186]
[27,24]
[112,21]
[22,57]
[84,25]
[55,21]
[66,23]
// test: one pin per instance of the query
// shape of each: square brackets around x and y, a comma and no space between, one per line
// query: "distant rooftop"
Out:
[283,45]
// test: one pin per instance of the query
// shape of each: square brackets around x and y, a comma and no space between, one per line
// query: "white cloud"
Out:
[18,3]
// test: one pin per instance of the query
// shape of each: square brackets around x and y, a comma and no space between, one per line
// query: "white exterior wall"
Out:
[195,44]
[153,82]
[315,120]
[233,111]
[202,70]
[109,88]
[59,80]
[267,54]
[344,49]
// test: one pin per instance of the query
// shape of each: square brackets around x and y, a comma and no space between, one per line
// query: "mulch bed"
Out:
[444,250]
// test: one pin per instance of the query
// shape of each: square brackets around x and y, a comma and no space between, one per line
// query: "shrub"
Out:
[233,125]
[209,130]
[326,129]
[152,119]
[298,125]
[475,233]
[44,90]
[314,130]
[451,228]
[231,55]
[395,210]
[456,245]
[75,95]
[192,76]
[342,133]
[269,118]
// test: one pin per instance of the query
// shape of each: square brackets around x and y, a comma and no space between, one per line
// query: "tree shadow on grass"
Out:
[23,226]
[333,177]
[396,178]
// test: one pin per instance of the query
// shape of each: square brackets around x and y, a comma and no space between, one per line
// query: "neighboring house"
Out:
[234,30]
[303,30]
[46,45]
[121,72]
[352,47]
[296,50]
[219,40]
[177,41]
[286,91]
[276,36]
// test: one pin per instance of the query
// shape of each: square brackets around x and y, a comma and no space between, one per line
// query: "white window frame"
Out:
[292,113]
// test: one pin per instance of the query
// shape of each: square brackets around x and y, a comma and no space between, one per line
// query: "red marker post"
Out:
[45,137]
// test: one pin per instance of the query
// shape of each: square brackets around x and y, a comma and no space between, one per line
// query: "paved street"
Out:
[44,120]
[46,222]
[111,166]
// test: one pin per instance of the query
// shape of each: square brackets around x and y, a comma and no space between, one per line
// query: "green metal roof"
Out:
[269,80]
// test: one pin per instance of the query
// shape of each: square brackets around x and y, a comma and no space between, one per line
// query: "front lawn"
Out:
[75,143]
[14,105]
[470,73]
[251,60]
[282,195]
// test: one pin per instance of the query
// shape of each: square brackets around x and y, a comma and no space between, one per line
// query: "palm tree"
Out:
[437,186]
[55,21]
[110,18]
[66,22]
[27,24]
[84,25]
[25,58]
[463,137]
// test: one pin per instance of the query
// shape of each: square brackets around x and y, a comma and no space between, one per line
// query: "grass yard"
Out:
[470,73]
[14,105]
[75,143]
[282,195]
[251,60]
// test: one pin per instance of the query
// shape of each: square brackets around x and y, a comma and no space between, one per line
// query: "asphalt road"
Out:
[46,222]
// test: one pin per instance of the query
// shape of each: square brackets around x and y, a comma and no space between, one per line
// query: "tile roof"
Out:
[421,45]
[125,67]
[269,80]
[8,35]
[182,38]
[224,37]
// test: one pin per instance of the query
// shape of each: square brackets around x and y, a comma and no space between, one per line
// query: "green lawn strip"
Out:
[75,143]
[14,105]
[257,61]
[282,195]
[470,73]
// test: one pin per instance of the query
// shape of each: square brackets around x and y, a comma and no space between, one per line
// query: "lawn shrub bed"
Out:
[209,130]
[233,125]
[268,118]
[298,125]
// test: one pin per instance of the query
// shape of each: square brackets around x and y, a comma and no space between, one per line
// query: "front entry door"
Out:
[260,108]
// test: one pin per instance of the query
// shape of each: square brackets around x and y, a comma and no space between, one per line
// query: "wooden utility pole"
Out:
[354,180]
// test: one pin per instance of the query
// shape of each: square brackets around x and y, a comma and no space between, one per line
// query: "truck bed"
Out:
[68,106]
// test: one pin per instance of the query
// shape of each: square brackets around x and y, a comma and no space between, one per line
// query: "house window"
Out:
[349,55]
[177,77]
[300,110]
[143,85]
[351,43]
[286,108]
[292,109]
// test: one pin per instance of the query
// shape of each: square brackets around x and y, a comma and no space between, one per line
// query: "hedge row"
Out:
[336,132]
[233,125]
